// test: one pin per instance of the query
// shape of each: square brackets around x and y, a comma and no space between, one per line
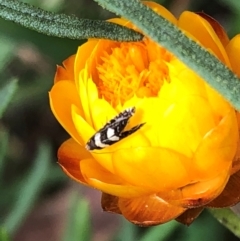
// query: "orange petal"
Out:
[155,7]
[219,30]
[88,93]
[146,166]
[86,132]
[222,141]
[62,96]
[74,162]
[161,11]
[101,112]
[83,53]
[110,203]
[92,170]
[233,51]
[203,32]
[61,74]
[219,105]
[189,216]
[125,191]
[83,128]
[236,160]
[66,72]
[70,154]
[197,194]
[149,210]
[230,195]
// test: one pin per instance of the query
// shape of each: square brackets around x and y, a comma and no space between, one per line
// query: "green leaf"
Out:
[128,232]
[30,190]
[161,232]
[4,137]
[228,218]
[204,224]
[79,224]
[3,235]
[62,25]
[16,33]
[199,59]
[7,47]
[233,4]
[6,93]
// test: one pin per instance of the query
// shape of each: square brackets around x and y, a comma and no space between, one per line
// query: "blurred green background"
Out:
[38,202]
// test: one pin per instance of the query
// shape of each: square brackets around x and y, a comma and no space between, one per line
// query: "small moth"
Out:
[112,132]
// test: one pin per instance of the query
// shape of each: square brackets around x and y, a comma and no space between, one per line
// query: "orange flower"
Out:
[184,157]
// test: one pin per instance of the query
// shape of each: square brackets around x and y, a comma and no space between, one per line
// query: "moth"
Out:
[113,131]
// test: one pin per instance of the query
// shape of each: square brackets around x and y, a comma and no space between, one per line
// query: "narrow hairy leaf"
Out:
[228,218]
[218,75]
[62,25]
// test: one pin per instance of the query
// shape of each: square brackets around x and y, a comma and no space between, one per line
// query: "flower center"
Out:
[138,68]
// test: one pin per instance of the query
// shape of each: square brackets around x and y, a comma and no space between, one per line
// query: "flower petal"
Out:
[88,93]
[83,53]
[179,117]
[185,107]
[236,160]
[66,72]
[98,50]
[90,169]
[70,154]
[101,112]
[230,195]
[125,191]
[189,215]
[82,127]
[148,210]
[86,132]
[203,32]
[197,194]
[61,102]
[146,166]
[110,203]
[233,51]
[161,11]
[218,29]
[201,193]
[222,141]
[220,106]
